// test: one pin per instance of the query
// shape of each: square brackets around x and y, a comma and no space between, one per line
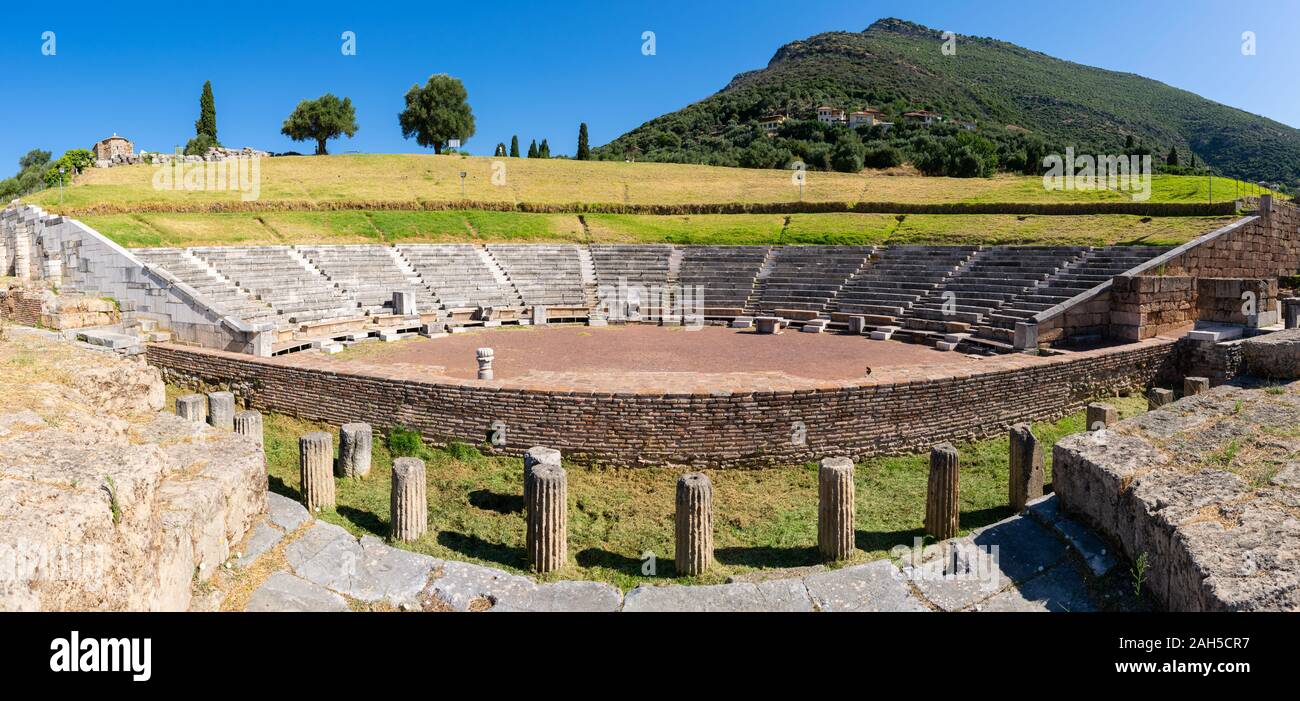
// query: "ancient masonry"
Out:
[870,418]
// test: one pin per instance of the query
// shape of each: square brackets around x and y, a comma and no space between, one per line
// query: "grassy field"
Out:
[407,178]
[168,229]
[763,518]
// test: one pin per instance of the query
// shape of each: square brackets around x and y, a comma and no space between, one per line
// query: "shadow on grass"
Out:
[365,520]
[766,556]
[495,501]
[277,485]
[475,547]
[631,566]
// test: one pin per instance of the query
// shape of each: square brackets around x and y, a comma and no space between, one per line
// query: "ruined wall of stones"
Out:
[1145,307]
[1265,247]
[721,429]
[21,306]
[1250,302]
[1148,306]
[70,255]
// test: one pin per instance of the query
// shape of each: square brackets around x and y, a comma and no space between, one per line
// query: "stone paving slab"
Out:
[1059,590]
[567,596]
[285,592]
[776,595]
[464,586]
[285,512]
[263,538]
[875,586]
[1031,573]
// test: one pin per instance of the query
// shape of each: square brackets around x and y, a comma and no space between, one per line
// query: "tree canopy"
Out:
[437,113]
[327,117]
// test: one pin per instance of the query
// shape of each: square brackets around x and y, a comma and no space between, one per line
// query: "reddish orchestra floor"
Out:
[617,357]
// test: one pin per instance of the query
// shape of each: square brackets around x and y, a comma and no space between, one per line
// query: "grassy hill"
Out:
[898,66]
[404,181]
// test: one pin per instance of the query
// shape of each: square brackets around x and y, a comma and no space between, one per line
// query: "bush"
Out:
[463,451]
[883,156]
[405,443]
[847,156]
[200,144]
[72,162]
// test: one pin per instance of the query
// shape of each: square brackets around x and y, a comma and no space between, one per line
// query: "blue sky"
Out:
[539,70]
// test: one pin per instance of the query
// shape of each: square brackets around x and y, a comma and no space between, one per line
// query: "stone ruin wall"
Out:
[1252,252]
[1148,306]
[108,503]
[66,254]
[719,430]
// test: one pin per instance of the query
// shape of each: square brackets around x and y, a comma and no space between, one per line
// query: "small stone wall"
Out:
[1200,493]
[1148,306]
[726,429]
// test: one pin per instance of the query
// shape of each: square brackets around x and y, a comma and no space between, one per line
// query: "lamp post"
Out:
[60,184]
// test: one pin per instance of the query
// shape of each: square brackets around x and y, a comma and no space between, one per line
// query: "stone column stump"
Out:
[942,508]
[315,463]
[1158,397]
[1291,312]
[1193,386]
[547,539]
[249,423]
[694,523]
[1026,467]
[836,536]
[484,356]
[409,505]
[538,455]
[193,407]
[221,410]
[355,443]
[1101,415]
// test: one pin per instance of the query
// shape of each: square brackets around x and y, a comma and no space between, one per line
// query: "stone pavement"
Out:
[1037,561]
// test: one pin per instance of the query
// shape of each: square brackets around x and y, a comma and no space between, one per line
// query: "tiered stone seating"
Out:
[458,275]
[726,274]
[370,274]
[898,278]
[634,265]
[808,278]
[1076,277]
[545,275]
[992,278]
[274,275]
[222,294]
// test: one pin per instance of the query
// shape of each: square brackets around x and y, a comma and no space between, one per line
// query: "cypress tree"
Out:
[532,149]
[584,150]
[544,151]
[500,150]
[1172,158]
[514,146]
[207,121]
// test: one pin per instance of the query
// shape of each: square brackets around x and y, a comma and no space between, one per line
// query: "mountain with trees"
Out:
[1023,104]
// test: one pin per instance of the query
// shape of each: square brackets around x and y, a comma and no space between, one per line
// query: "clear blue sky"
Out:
[539,70]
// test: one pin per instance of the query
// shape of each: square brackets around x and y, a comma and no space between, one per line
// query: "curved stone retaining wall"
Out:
[856,419]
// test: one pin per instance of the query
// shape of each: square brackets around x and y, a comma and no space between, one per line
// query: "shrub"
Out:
[405,443]
[463,451]
[199,145]
[883,156]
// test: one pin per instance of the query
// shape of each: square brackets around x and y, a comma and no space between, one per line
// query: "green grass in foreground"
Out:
[352,226]
[763,518]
